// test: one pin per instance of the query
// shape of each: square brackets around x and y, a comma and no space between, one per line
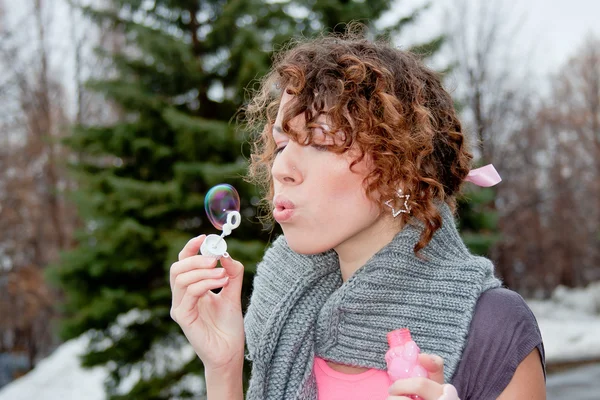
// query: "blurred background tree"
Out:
[36,220]
[177,75]
[492,96]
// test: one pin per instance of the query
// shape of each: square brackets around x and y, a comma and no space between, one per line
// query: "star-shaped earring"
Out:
[406,209]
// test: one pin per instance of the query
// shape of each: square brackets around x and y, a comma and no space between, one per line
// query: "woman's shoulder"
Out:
[502,295]
[502,303]
[502,333]
[502,316]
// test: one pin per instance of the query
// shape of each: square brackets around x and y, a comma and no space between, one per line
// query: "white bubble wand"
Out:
[215,245]
[221,198]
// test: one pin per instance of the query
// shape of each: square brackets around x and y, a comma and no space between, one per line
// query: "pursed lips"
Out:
[283,208]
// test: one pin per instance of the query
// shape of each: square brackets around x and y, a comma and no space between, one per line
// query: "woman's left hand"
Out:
[431,388]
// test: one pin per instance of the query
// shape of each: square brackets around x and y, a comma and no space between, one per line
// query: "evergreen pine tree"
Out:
[177,84]
[478,219]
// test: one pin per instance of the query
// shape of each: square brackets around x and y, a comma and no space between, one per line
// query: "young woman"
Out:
[362,155]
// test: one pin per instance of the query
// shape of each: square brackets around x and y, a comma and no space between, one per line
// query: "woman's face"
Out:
[319,202]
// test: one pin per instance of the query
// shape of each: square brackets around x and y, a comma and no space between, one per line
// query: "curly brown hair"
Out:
[391,108]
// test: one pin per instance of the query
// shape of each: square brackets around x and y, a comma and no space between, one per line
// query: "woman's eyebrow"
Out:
[278,129]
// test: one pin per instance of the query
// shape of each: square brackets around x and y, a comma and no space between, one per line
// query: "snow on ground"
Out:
[569,322]
[59,377]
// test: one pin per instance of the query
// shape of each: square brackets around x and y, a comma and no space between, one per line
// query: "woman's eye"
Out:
[320,147]
[279,150]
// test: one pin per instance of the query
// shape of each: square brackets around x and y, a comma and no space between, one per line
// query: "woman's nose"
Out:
[285,167]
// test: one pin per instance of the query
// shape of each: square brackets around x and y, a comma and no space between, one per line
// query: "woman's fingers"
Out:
[194,275]
[422,387]
[434,365]
[189,264]
[192,247]
[197,290]
[183,280]
[235,272]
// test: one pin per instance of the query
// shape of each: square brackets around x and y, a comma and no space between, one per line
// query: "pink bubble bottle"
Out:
[403,357]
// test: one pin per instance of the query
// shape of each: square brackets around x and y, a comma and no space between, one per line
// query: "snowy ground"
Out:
[569,322]
[59,377]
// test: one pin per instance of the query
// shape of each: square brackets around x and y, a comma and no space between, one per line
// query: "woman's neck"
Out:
[358,249]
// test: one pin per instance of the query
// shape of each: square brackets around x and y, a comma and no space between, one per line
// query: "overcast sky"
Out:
[550,30]
[561,26]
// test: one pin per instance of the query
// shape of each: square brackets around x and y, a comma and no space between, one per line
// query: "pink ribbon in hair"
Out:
[485,176]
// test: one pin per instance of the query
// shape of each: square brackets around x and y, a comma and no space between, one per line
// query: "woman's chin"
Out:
[305,245]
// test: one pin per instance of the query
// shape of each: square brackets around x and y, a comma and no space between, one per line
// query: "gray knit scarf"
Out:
[300,308]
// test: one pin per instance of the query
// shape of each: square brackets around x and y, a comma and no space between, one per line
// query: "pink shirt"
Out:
[372,384]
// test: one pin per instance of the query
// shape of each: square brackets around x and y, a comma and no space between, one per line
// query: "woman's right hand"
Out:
[213,323]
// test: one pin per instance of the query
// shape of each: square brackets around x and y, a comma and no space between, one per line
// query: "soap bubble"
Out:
[219,201]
